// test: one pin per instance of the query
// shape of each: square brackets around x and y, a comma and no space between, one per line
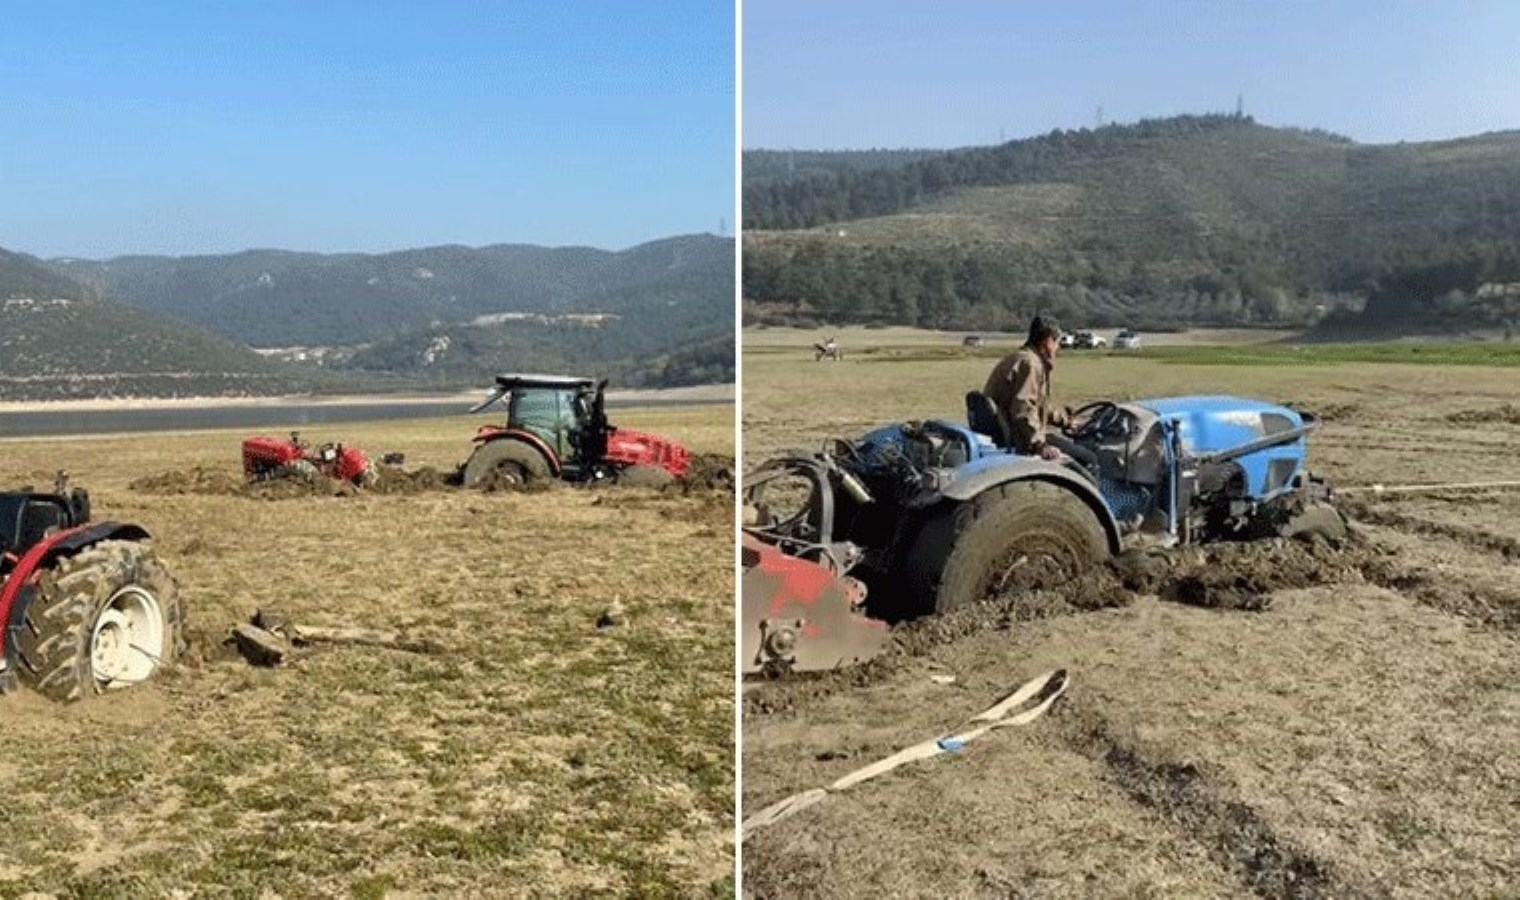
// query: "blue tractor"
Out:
[931,515]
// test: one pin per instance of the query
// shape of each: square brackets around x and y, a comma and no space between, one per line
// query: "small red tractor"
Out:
[85,607]
[557,428]
[266,458]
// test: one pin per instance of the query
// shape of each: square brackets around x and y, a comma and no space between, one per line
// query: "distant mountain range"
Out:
[657,314]
[273,298]
[1184,221]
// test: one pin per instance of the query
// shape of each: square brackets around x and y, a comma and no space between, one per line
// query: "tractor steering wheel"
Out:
[1102,419]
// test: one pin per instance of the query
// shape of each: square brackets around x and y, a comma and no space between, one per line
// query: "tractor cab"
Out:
[565,412]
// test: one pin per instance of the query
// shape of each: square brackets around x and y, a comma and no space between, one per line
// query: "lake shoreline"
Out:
[701,393]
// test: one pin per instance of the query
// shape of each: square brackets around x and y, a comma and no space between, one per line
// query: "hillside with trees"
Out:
[657,315]
[58,340]
[273,298]
[1193,220]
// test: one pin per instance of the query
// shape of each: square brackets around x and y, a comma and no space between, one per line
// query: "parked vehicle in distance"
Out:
[1068,340]
[1088,340]
[972,340]
[1127,340]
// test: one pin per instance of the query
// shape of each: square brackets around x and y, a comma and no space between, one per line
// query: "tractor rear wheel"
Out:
[106,618]
[505,462]
[1013,537]
[644,476]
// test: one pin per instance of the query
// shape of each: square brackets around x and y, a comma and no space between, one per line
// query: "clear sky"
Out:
[207,126]
[893,73]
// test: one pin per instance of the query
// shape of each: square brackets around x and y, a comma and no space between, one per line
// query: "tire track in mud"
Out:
[1202,809]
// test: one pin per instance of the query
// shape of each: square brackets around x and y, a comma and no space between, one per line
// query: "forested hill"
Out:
[271,298]
[1188,220]
[58,340]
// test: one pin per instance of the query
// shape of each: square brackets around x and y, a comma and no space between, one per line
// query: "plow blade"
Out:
[799,616]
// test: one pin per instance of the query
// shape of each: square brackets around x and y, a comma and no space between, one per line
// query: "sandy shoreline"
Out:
[714,393]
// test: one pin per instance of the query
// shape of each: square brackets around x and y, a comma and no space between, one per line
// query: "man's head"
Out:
[1045,336]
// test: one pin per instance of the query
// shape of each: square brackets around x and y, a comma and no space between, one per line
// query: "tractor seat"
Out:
[982,417]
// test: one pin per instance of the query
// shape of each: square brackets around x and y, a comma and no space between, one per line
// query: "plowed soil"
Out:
[1281,719]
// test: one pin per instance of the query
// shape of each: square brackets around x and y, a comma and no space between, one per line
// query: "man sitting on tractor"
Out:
[1019,387]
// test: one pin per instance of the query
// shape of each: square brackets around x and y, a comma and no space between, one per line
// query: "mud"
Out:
[1222,576]
[205,480]
[708,472]
[196,480]
[1508,414]
[396,480]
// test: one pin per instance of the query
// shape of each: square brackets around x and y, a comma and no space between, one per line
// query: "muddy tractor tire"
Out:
[1315,520]
[505,462]
[645,477]
[1015,536]
[106,618]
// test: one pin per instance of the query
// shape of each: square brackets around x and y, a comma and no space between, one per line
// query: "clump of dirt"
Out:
[295,487]
[1508,414]
[1335,412]
[395,480]
[709,472]
[197,480]
[219,482]
[1243,576]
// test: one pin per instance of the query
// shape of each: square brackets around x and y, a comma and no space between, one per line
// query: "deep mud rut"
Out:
[1280,719]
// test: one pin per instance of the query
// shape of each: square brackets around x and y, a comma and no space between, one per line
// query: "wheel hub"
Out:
[127,641]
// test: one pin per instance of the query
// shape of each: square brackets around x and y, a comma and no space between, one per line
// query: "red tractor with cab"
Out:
[557,428]
[267,458]
[85,607]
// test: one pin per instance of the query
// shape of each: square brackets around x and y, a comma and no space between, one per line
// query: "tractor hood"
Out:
[1211,424]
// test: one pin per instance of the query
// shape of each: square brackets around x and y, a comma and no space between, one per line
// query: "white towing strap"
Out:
[1043,690]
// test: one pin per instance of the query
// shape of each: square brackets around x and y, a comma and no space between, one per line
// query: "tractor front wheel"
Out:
[1318,519]
[106,618]
[505,462]
[1013,537]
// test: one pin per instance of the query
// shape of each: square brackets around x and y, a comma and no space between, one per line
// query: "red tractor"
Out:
[557,428]
[85,607]
[266,458]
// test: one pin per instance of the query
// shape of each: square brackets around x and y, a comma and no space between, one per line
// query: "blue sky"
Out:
[877,73]
[198,127]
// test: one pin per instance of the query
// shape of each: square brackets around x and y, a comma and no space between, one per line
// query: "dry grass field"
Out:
[535,755]
[1354,735]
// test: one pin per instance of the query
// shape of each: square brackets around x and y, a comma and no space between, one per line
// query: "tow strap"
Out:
[1041,691]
